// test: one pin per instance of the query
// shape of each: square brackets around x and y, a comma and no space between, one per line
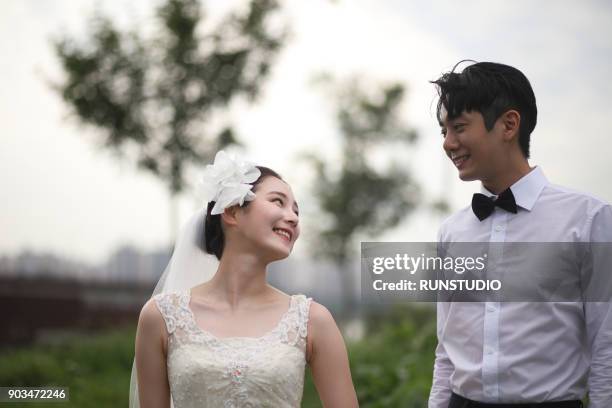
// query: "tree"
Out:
[160,101]
[356,198]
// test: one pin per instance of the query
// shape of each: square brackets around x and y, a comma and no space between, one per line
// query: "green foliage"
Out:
[393,365]
[361,200]
[358,197]
[95,368]
[155,98]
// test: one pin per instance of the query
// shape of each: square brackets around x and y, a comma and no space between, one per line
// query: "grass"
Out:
[391,366]
[95,367]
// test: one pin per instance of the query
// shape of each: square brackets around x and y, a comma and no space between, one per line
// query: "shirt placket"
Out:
[490,358]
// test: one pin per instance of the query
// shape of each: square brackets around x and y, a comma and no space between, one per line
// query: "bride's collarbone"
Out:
[254,320]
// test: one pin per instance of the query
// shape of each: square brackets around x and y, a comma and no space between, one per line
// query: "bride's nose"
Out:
[291,217]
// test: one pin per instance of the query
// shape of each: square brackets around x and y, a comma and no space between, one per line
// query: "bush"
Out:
[95,368]
[392,365]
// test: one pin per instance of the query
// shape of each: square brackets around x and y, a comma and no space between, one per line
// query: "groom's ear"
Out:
[511,122]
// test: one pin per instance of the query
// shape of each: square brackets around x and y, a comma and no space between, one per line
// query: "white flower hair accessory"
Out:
[227,182]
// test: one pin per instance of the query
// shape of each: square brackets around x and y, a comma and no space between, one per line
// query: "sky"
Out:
[60,193]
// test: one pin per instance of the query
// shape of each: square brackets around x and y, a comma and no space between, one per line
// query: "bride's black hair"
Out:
[214,238]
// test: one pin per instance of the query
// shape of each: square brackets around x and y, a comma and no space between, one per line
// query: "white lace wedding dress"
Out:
[207,371]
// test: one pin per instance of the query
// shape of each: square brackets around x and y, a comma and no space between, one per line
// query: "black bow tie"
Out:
[483,206]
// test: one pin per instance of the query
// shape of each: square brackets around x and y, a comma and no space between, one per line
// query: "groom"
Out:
[515,354]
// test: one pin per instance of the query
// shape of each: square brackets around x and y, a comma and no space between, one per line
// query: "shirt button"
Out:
[490,350]
[499,228]
[490,309]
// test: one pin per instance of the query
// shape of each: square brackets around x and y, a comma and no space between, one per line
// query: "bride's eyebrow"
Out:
[279,193]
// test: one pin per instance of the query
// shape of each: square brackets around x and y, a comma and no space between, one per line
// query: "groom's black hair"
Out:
[491,89]
[214,238]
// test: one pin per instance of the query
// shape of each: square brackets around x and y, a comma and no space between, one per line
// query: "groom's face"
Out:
[474,150]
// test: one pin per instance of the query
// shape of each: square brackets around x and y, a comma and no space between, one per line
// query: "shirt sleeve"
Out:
[598,311]
[440,394]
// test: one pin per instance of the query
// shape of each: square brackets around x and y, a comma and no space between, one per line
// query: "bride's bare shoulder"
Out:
[151,321]
[320,317]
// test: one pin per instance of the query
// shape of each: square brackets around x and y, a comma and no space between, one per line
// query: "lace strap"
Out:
[169,307]
[303,310]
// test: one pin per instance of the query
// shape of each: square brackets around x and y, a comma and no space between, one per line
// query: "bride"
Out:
[234,340]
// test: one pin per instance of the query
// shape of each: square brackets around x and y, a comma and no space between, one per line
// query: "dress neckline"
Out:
[282,323]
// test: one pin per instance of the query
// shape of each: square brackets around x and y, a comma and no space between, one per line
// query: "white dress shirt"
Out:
[519,352]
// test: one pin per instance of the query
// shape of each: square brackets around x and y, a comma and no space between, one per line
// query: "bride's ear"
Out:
[229,215]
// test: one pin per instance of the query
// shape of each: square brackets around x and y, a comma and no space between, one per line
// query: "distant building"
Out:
[127,264]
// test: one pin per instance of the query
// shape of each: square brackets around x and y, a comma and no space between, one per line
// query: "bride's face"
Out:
[270,222]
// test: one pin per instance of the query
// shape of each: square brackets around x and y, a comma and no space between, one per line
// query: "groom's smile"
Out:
[470,146]
[459,160]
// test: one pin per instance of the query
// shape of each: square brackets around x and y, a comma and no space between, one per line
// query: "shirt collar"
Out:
[527,189]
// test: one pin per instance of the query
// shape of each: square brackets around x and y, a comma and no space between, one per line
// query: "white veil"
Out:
[189,266]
